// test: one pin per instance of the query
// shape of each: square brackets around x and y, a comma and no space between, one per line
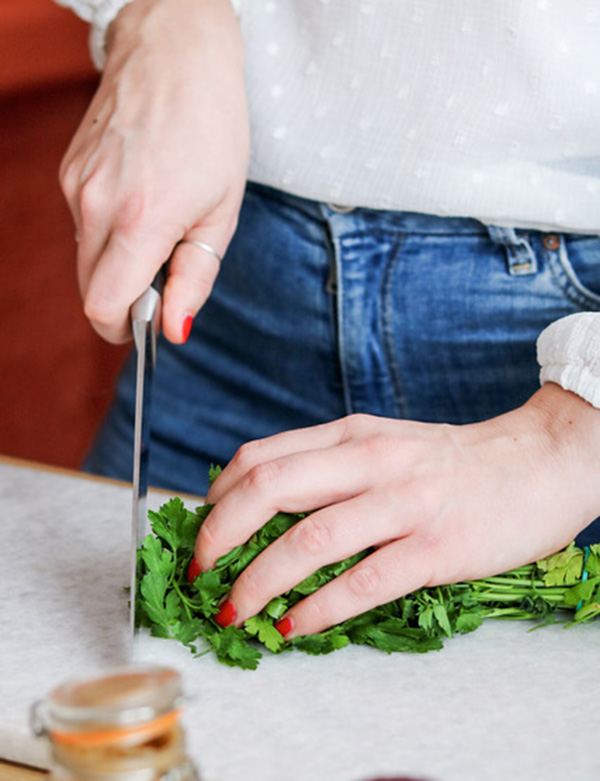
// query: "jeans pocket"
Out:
[574,261]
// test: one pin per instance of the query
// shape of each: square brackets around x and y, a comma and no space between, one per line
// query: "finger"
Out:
[324,537]
[88,184]
[124,270]
[69,182]
[93,218]
[391,572]
[90,217]
[294,483]
[192,274]
[261,451]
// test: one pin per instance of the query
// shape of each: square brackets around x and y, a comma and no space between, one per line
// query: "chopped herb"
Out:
[547,591]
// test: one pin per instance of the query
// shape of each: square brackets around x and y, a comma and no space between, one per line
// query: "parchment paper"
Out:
[501,703]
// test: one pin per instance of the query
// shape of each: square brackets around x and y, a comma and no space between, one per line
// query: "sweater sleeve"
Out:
[100,13]
[568,352]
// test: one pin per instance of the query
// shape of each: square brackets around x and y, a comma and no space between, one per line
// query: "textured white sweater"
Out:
[488,110]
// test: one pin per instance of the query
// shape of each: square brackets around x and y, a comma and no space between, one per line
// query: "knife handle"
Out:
[146,308]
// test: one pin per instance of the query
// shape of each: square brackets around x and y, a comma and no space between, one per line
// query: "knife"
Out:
[145,323]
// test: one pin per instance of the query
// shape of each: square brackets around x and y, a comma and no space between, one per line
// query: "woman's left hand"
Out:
[438,503]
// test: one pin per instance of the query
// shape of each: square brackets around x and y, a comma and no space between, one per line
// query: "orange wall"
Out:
[40,43]
[56,375]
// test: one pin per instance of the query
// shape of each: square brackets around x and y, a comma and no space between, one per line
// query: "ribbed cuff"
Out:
[104,14]
[568,352]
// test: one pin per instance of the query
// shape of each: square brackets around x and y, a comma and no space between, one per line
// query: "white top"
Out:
[569,354]
[477,109]
[474,109]
[488,110]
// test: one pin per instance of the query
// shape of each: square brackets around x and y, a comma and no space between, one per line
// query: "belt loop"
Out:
[520,257]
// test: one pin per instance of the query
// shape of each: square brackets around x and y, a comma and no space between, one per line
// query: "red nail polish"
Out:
[193,570]
[187,327]
[226,614]
[285,626]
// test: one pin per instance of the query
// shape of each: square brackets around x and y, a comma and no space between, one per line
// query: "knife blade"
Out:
[145,321]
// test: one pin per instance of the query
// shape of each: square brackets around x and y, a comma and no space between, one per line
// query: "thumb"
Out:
[193,269]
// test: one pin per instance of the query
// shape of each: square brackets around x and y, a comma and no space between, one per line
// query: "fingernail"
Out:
[187,327]
[226,614]
[193,570]
[284,626]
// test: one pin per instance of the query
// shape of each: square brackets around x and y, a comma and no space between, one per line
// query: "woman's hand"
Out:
[160,155]
[438,503]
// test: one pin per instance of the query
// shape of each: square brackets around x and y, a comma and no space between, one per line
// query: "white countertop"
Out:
[501,703]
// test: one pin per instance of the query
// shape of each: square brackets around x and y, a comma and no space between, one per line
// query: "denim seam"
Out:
[387,329]
[336,251]
[566,278]
[378,232]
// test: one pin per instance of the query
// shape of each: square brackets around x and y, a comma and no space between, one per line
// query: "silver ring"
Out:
[202,245]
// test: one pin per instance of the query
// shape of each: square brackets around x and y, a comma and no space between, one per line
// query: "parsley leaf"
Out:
[562,568]
[323,643]
[262,627]
[210,589]
[171,607]
[232,648]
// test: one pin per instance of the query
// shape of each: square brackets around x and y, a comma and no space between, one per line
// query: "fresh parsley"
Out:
[170,607]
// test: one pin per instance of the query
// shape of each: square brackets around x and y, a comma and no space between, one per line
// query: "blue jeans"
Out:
[318,313]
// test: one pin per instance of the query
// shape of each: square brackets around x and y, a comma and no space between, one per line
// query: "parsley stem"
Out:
[512,613]
[555,597]
[183,599]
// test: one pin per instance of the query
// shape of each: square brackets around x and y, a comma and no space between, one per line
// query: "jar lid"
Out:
[121,697]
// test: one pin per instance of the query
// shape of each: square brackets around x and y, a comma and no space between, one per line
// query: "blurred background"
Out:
[56,375]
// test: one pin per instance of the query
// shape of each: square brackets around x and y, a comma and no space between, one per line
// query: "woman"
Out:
[423,201]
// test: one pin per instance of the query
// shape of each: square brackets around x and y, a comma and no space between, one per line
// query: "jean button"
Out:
[335,207]
[551,242]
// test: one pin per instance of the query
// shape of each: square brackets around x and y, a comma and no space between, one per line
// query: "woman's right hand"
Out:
[161,155]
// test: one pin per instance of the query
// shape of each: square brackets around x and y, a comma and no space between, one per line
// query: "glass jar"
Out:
[122,725]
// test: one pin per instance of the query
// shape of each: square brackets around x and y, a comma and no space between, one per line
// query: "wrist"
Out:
[569,429]
[172,23]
